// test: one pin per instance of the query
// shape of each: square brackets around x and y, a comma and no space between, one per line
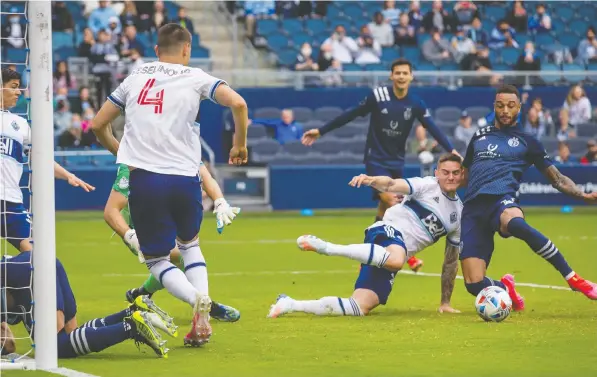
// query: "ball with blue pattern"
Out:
[493,304]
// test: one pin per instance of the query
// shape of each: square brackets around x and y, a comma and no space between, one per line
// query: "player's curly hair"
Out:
[508,89]
[9,75]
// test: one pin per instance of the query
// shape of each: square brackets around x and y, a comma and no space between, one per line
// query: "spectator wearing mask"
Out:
[518,17]
[255,10]
[437,50]
[503,36]
[129,14]
[477,34]
[62,20]
[103,56]
[159,18]
[462,44]
[63,78]
[382,31]
[13,33]
[405,34]
[465,129]
[534,125]
[542,113]
[587,48]
[343,47]
[390,12]
[332,76]
[576,110]
[528,60]
[415,16]
[114,29]
[437,18]
[62,117]
[540,22]
[304,60]
[564,156]
[129,42]
[369,49]
[591,156]
[71,136]
[100,17]
[464,13]
[88,137]
[185,21]
[326,57]
[84,101]
[84,50]
[286,129]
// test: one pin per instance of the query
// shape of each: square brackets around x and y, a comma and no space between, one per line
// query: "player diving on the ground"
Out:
[430,210]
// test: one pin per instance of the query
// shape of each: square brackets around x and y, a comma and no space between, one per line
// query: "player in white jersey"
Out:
[15,222]
[161,101]
[430,211]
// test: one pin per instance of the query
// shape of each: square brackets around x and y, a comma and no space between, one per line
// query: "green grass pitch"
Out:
[256,259]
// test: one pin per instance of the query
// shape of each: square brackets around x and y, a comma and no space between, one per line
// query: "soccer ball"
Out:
[493,304]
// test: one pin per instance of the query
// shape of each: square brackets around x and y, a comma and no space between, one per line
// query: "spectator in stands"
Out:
[286,129]
[462,44]
[587,48]
[103,56]
[71,136]
[465,129]
[503,36]
[320,9]
[100,17]
[84,101]
[129,14]
[438,50]
[479,61]
[534,125]
[13,33]
[326,57]
[464,13]
[88,137]
[438,18]
[114,29]
[382,31]
[62,117]
[544,114]
[540,22]
[390,12]
[185,21]
[62,77]
[518,17]
[415,16]
[85,46]
[477,34]
[369,49]
[144,12]
[288,9]
[255,10]
[332,76]
[304,59]
[405,34]
[591,156]
[61,94]
[62,20]
[159,17]
[528,60]
[135,60]
[343,46]
[129,42]
[576,110]
[564,156]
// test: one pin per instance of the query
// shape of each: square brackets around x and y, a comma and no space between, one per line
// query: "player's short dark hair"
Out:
[508,89]
[172,36]
[449,157]
[9,75]
[401,61]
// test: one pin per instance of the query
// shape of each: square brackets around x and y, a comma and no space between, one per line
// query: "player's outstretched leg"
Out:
[545,248]
[223,312]
[328,306]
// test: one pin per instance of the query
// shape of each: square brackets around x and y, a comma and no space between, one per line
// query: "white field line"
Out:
[27,363]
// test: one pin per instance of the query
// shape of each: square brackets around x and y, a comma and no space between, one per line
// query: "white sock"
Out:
[328,306]
[366,253]
[194,265]
[173,279]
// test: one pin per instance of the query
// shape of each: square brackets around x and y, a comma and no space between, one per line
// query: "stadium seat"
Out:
[544,40]
[558,25]
[277,42]
[389,54]
[564,13]
[61,39]
[477,112]
[15,55]
[265,147]
[256,131]
[578,144]
[347,132]
[63,53]
[287,57]
[587,11]
[300,37]
[284,159]
[144,39]
[352,79]
[356,146]
[495,13]
[579,27]
[586,130]
[292,26]
[549,67]
[550,144]
[266,27]
[522,39]
[509,55]
[345,159]
[329,146]
[449,67]
[312,124]
[315,26]
[296,148]
[376,67]
[447,114]
[267,113]
[422,38]
[196,52]
[574,78]
[569,40]
[326,113]
[459,145]
[500,67]
[352,11]
[411,53]
[302,114]
[311,159]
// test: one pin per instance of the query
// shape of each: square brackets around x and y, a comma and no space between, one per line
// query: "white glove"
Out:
[224,213]
[130,239]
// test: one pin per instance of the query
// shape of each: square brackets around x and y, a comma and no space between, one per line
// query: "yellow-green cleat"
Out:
[144,332]
[159,318]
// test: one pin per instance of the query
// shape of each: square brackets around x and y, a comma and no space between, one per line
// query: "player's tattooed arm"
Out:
[449,271]
[562,183]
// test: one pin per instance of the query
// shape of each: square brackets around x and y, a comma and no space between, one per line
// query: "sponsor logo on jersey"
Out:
[514,142]
[15,125]
[453,217]
[490,152]
[434,226]
[394,124]
[384,111]
[407,113]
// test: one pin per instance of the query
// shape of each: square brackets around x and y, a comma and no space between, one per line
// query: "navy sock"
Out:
[84,340]
[540,244]
[475,288]
[109,320]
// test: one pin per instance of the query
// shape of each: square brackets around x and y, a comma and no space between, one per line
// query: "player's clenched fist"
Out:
[238,155]
[361,180]
[310,136]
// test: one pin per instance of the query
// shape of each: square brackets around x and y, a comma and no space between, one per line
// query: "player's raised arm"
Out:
[424,117]
[226,96]
[449,271]
[383,184]
[225,214]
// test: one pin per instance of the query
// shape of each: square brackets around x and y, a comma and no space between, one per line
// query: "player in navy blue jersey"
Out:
[137,322]
[393,112]
[496,158]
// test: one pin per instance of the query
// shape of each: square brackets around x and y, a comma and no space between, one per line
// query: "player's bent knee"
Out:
[473,269]
[366,299]
[508,215]
[397,258]
[25,245]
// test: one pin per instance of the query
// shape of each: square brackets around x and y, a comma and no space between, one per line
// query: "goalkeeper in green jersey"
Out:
[117,215]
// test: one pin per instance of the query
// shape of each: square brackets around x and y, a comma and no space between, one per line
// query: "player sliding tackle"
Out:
[117,215]
[161,101]
[496,158]
[15,223]
[430,211]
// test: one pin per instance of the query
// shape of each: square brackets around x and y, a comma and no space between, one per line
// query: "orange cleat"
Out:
[517,299]
[586,287]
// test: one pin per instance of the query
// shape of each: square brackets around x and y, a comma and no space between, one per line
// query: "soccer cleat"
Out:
[133,293]
[415,263]
[168,327]
[223,312]
[145,304]
[143,332]
[201,329]
[312,243]
[517,299]
[281,307]
[586,287]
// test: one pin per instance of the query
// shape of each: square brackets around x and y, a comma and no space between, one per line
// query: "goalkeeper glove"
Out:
[224,213]
[130,239]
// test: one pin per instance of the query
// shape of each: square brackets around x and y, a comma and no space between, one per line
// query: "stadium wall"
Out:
[314,187]
[211,114]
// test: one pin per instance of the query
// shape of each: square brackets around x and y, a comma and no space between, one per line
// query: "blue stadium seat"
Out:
[579,27]
[574,78]
[426,67]
[422,38]
[315,26]
[569,40]
[197,52]
[593,67]
[61,39]
[329,146]
[376,67]
[352,79]
[277,42]
[578,145]
[352,10]
[389,54]
[265,146]
[477,112]
[172,9]
[356,146]
[449,67]
[302,114]
[267,113]
[63,53]
[149,51]
[292,26]
[495,13]
[267,27]
[543,40]
[287,57]
[448,114]
[586,130]
[548,67]
[500,67]
[522,39]
[15,55]
[80,23]
[144,39]
[334,12]
[299,38]
[411,53]
[558,25]
[510,55]
[296,148]
[563,12]
[256,131]
[588,11]
[326,113]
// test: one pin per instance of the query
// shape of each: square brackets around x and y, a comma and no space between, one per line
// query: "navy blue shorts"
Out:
[373,169]
[480,221]
[377,279]
[65,298]
[164,207]
[15,223]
